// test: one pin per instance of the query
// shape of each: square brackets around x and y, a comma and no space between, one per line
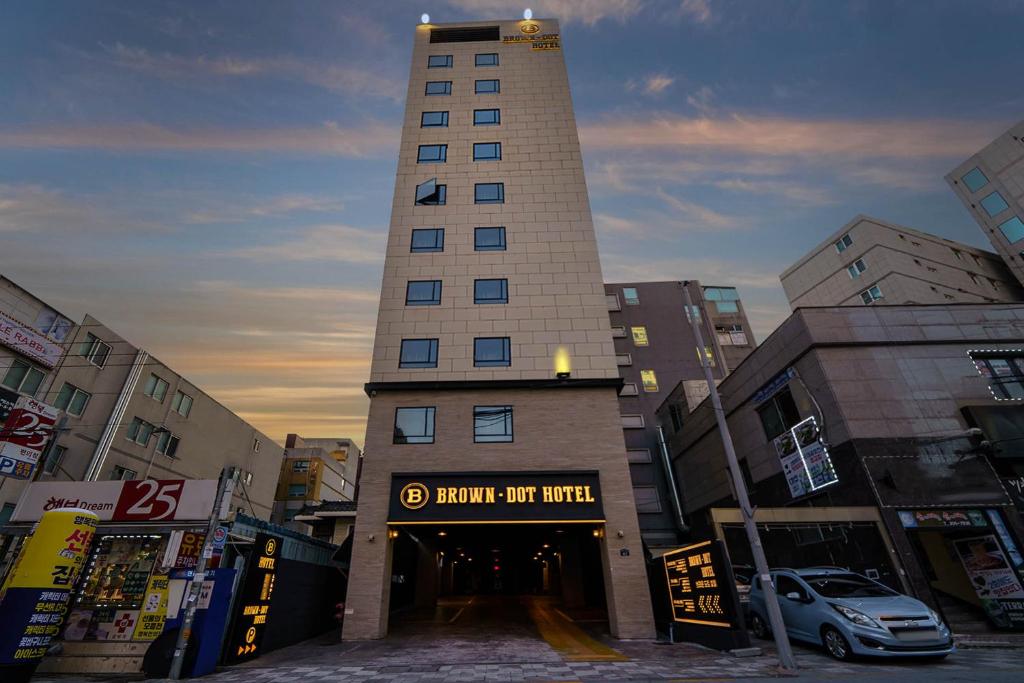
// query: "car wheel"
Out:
[759,628]
[836,644]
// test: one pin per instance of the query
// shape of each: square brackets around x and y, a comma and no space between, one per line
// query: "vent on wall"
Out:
[464,35]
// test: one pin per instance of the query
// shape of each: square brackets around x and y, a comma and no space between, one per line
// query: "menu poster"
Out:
[994,580]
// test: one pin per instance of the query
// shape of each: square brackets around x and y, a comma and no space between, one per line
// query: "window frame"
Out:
[633,300]
[856,269]
[1017,227]
[496,147]
[153,383]
[843,243]
[507,413]
[429,410]
[447,89]
[432,352]
[448,61]
[74,393]
[649,387]
[656,500]
[441,158]
[30,368]
[438,243]
[440,193]
[996,198]
[179,399]
[638,333]
[503,291]
[998,383]
[51,465]
[479,81]
[774,402]
[435,286]
[642,424]
[89,348]
[500,199]
[444,119]
[495,122]
[871,295]
[477,56]
[619,332]
[168,442]
[503,246]
[645,458]
[967,183]
[139,426]
[504,362]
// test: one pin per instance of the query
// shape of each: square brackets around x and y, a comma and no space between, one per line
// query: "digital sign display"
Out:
[253,608]
[700,585]
[442,497]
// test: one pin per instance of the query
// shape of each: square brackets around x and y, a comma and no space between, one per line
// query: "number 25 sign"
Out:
[149,499]
[145,500]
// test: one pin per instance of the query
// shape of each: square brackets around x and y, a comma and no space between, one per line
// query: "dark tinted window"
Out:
[488,59]
[439,88]
[492,352]
[488,86]
[414,425]
[784,585]
[489,193]
[434,119]
[778,413]
[490,292]
[427,239]
[423,293]
[439,62]
[492,424]
[489,239]
[486,151]
[486,117]
[469,34]
[432,154]
[846,586]
[418,353]
[430,193]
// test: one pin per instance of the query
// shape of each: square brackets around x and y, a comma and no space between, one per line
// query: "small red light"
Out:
[497,568]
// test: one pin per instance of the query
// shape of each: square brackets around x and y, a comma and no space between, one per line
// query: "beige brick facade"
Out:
[555,299]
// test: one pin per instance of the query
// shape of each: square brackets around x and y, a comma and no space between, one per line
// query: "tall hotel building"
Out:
[495,463]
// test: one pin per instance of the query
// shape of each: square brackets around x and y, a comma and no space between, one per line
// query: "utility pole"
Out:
[225,486]
[771,600]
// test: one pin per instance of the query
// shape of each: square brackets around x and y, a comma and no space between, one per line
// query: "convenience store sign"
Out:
[145,500]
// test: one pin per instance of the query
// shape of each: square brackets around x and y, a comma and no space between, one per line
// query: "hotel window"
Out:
[725,298]
[423,293]
[414,425]
[1013,229]
[1004,371]
[54,459]
[72,400]
[300,466]
[632,421]
[439,62]
[432,154]
[23,377]
[486,117]
[871,295]
[492,424]
[122,474]
[856,268]
[622,359]
[427,240]
[619,331]
[139,431]
[629,294]
[488,86]
[492,352]
[639,335]
[94,350]
[778,413]
[430,193]
[638,455]
[489,239]
[843,242]
[490,291]
[434,119]
[646,498]
[629,389]
[486,151]
[675,413]
[994,204]
[649,380]
[167,444]
[613,302]
[296,490]
[974,179]
[439,88]
[418,353]
[709,355]
[156,388]
[489,193]
[181,403]
[487,59]
[731,335]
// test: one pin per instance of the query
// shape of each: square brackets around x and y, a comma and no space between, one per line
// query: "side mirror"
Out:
[795,596]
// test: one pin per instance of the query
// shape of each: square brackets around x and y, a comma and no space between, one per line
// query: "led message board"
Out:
[253,607]
[701,587]
[495,497]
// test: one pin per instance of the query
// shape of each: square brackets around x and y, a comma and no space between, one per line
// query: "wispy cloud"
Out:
[338,243]
[232,210]
[46,211]
[652,84]
[328,139]
[703,100]
[698,11]
[794,192]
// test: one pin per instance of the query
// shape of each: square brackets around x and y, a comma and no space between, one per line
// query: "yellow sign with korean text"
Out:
[55,552]
[154,609]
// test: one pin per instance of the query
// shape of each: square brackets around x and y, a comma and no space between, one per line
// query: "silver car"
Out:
[850,615]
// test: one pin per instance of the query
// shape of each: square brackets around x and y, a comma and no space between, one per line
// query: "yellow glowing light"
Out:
[563,365]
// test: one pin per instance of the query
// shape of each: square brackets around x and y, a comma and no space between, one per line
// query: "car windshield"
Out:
[846,586]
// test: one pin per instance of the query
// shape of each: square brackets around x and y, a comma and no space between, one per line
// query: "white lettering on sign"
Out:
[28,342]
[137,500]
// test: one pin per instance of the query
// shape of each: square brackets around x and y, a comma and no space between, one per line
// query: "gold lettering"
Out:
[546,494]
[453,494]
[589,498]
[531,491]
[490,494]
[578,492]
[476,495]
[440,496]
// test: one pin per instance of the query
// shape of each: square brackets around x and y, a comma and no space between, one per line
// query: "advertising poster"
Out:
[805,461]
[993,579]
[25,434]
[154,609]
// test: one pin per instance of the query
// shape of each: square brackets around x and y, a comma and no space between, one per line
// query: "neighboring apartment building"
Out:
[873,261]
[991,186]
[656,351]
[129,416]
[311,474]
[876,404]
[493,383]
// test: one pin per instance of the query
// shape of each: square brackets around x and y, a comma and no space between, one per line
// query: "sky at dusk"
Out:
[213,179]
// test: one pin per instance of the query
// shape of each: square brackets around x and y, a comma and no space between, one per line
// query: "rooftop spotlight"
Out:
[425,18]
[527,14]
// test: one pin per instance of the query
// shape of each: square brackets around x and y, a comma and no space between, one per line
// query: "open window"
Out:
[430,193]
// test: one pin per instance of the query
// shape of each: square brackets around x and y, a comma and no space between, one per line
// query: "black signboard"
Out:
[438,497]
[7,401]
[701,587]
[253,606]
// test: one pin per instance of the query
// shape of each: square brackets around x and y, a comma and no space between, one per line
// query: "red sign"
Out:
[149,499]
[24,435]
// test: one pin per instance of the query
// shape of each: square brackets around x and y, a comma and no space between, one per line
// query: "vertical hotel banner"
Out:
[253,601]
[35,597]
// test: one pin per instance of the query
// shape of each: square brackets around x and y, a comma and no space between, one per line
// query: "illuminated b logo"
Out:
[271,546]
[529,29]
[414,496]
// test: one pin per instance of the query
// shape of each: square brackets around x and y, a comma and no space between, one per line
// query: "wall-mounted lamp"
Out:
[599,533]
[620,534]
[392,534]
[371,538]
[563,365]
[442,533]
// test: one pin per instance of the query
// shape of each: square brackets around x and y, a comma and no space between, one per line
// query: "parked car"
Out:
[850,615]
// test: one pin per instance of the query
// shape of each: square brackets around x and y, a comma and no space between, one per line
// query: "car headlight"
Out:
[936,617]
[856,617]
